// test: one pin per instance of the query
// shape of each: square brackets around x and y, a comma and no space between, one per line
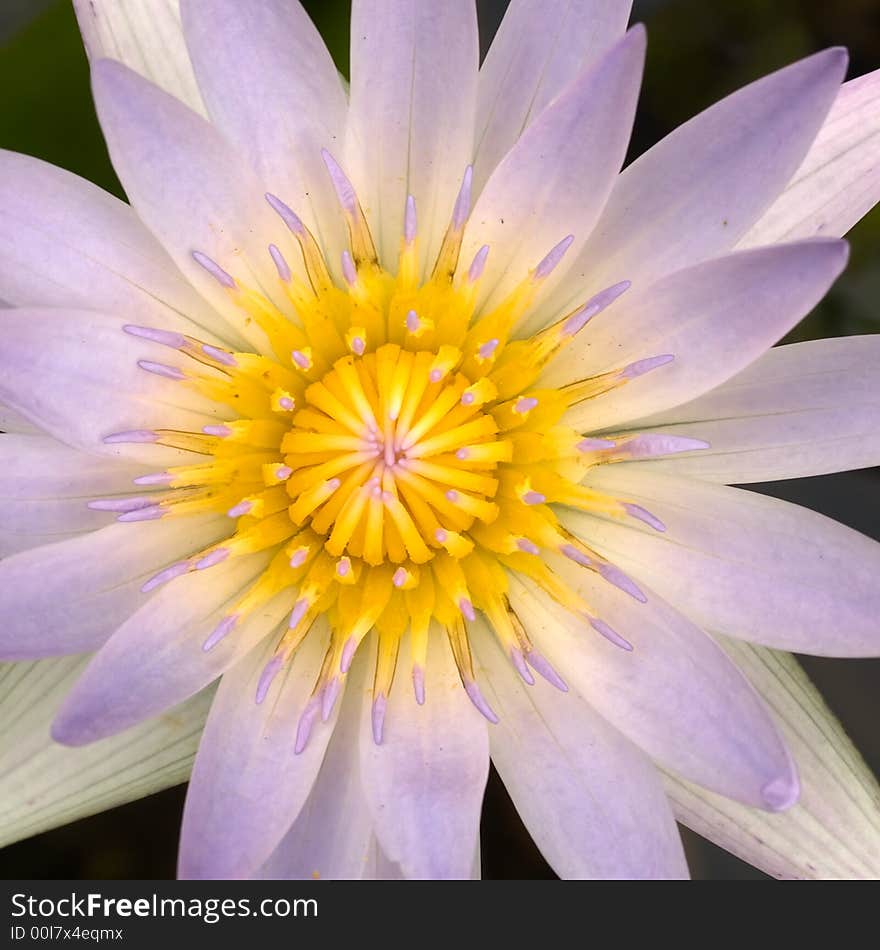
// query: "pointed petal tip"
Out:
[781,793]
[68,729]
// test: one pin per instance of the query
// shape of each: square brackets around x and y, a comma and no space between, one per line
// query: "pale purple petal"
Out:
[68,597]
[592,802]
[536,195]
[86,356]
[696,193]
[803,409]
[271,86]
[839,180]
[247,785]
[44,486]
[426,806]
[413,99]
[332,837]
[746,565]
[676,695]
[834,832]
[155,659]
[195,193]
[715,318]
[66,243]
[540,47]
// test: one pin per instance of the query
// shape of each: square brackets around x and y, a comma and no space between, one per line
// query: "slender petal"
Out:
[536,195]
[540,47]
[332,838]
[195,193]
[425,782]
[68,597]
[714,319]
[413,100]
[696,193]
[746,565]
[834,830]
[247,786]
[270,85]
[145,35]
[66,243]
[804,409]
[43,784]
[156,658]
[104,390]
[592,802]
[44,487]
[676,694]
[839,180]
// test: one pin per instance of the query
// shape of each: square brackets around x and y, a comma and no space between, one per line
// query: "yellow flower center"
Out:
[393,450]
[379,459]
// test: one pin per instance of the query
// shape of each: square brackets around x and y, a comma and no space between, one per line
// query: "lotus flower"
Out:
[406,414]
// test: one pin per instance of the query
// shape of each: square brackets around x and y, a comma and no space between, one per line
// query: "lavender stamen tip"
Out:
[478,265]
[348,652]
[418,678]
[551,261]
[477,698]
[642,514]
[280,263]
[220,631]
[165,337]
[222,277]
[269,673]
[410,220]
[611,635]
[287,214]
[133,435]
[377,716]
[463,201]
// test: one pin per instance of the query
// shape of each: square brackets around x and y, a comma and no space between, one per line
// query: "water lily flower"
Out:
[408,415]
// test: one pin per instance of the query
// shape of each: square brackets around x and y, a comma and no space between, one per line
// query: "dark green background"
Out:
[698,51]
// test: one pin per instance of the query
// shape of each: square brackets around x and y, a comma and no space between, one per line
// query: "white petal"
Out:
[714,319]
[411,124]
[676,695]
[70,596]
[145,35]
[87,357]
[744,564]
[43,784]
[156,658]
[332,838]
[271,87]
[839,180]
[556,178]
[425,782]
[803,409]
[540,46]
[45,487]
[66,243]
[694,194]
[834,830]
[195,193]
[248,786]
[593,803]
